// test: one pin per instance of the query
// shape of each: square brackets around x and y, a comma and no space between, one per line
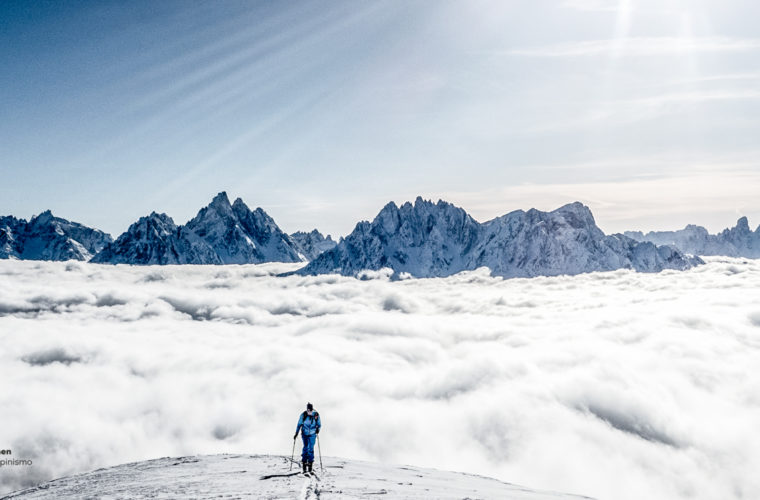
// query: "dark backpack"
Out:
[305,415]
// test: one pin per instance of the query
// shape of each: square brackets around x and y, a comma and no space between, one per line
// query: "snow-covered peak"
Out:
[217,213]
[577,215]
[155,223]
[150,240]
[46,237]
[219,234]
[742,226]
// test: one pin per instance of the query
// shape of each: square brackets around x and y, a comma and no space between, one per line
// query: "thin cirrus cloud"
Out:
[532,381]
[593,5]
[640,46]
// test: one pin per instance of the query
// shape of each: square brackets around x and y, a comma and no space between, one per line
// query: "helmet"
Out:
[309,406]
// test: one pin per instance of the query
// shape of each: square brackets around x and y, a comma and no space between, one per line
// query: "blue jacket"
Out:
[309,424]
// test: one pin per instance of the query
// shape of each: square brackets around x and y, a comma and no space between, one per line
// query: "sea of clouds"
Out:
[616,385]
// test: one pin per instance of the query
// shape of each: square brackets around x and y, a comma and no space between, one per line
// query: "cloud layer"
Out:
[613,385]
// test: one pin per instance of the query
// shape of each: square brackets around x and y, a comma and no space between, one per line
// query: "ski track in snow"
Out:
[613,385]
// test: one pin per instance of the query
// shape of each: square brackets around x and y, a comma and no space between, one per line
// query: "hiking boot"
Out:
[310,464]
[304,467]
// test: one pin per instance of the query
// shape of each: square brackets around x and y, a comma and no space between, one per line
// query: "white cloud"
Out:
[614,385]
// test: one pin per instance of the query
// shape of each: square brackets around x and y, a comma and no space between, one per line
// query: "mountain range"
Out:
[420,239]
[738,241]
[432,240]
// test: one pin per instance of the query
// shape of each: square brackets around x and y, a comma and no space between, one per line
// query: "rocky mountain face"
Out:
[429,240]
[221,233]
[46,237]
[310,245]
[738,241]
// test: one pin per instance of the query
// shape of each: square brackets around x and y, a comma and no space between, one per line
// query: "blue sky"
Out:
[321,112]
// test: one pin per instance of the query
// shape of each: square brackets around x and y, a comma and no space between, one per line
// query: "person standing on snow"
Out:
[309,424]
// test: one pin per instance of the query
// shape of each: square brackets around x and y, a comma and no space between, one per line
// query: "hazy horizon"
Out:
[336,236]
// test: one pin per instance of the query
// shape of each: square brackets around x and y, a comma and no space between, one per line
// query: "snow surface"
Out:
[615,385]
[272,477]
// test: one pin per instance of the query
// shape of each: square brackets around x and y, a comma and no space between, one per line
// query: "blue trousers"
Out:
[307,455]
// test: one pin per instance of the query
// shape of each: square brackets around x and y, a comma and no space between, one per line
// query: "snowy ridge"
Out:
[221,233]
[263,476]
[738,241]
[435,240]
[46,237]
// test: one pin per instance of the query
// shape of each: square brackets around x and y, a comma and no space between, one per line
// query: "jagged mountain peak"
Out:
[389,207]
[155,219]
[742,225]
[221,200]
[239,204]
[43,217]
[158,216]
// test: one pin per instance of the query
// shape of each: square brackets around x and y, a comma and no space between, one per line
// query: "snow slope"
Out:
[266,476]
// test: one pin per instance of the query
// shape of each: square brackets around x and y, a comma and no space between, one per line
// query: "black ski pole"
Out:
[322,469]
[292,453]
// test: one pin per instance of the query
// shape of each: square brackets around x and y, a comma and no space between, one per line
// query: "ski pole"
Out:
[292,453]
[322,469]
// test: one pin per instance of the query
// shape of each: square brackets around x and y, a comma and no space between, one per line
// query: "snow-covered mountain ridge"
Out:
[263,476]
[433,240]
[421,240]
[738,241]
[46,237]
[221,233]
